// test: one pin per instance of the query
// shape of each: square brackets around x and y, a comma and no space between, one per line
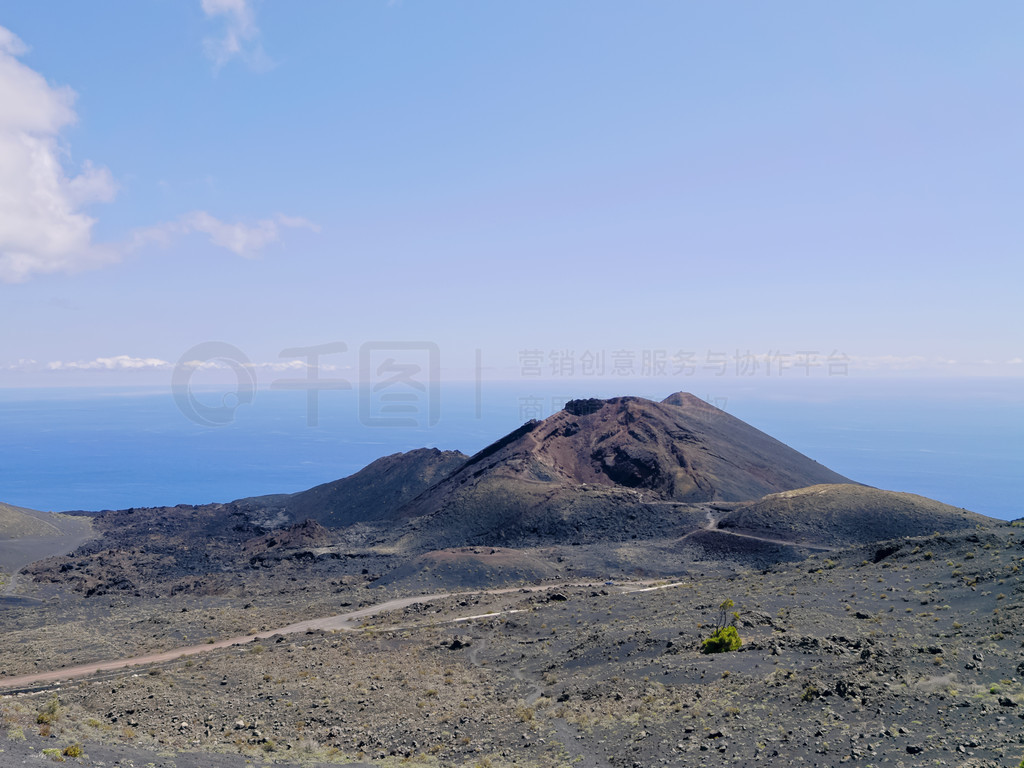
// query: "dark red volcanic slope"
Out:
[582,467]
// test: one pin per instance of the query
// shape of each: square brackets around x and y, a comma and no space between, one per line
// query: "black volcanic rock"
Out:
[616,468]
[584,407]
[27,535]
[308,533]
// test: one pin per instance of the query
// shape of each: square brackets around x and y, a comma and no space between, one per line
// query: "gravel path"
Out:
[341,622]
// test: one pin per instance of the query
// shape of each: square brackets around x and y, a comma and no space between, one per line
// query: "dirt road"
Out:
[712,525]
[350,621]
[343,621]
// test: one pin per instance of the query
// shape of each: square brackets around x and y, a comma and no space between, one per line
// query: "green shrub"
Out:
[74,750]
[49,712]
[722,640]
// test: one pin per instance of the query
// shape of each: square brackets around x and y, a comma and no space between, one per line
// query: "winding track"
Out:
[341,622]
[712,525]
[344,621]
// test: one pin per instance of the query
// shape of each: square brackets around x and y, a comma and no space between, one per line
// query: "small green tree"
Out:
[722,640]
[723,615]
[725,637]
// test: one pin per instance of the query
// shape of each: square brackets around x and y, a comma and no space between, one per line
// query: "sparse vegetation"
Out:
[609,669]
[722,640]
[73,750]
[49,712]
[725,638]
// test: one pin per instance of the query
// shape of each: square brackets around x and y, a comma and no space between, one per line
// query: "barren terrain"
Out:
[915,658]
[541,604]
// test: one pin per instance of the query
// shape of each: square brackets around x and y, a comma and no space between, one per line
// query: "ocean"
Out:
[958,441]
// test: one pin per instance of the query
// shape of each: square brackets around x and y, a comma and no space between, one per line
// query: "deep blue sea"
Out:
[959,441]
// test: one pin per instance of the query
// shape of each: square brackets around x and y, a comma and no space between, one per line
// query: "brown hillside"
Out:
[374,493]
[16,522]
[608,468]
[840,515]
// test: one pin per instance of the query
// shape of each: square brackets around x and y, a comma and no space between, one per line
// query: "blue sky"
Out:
[742,180]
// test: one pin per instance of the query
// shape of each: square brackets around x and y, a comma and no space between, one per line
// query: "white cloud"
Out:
[243,239]
[298,366]
[888,362]
[292,365]
[128,363]
[241,35]
[42,226]
[239,238]
[24,364]
[118,363]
